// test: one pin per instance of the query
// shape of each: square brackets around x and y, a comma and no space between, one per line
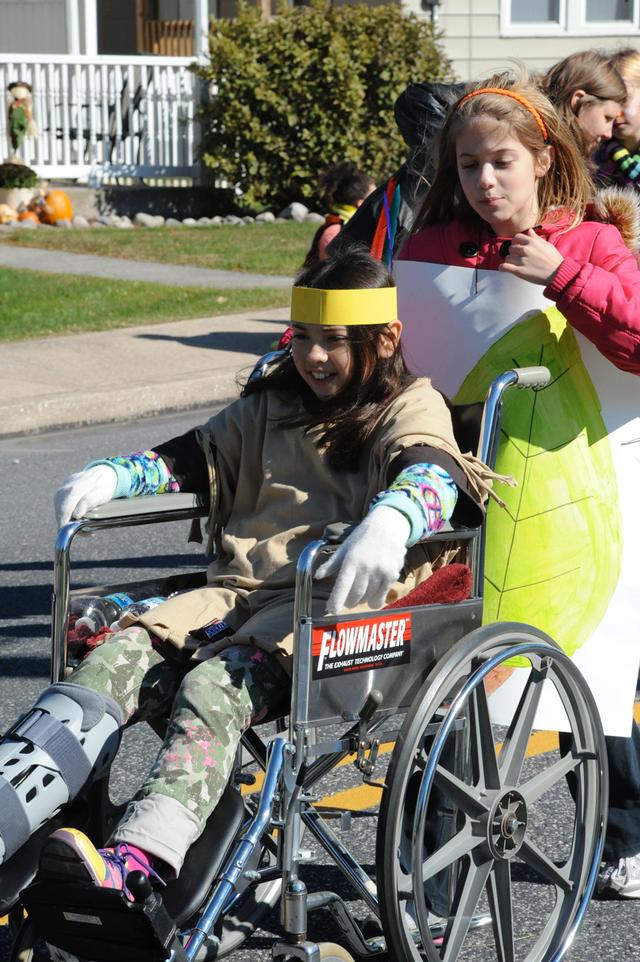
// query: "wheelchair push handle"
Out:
[532,377]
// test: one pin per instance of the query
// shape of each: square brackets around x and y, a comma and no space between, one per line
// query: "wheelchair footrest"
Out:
[102,924]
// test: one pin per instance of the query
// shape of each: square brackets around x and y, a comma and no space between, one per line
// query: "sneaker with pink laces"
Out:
[69,855]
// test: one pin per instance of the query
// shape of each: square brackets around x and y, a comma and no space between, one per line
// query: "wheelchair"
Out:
[486,848]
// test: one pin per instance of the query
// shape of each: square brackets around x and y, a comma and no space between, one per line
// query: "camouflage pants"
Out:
[211,702]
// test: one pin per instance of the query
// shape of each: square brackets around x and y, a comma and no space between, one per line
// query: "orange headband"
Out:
[537,116]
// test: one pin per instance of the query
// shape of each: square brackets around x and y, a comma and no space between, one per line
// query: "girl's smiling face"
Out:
[499,175]
[323,358]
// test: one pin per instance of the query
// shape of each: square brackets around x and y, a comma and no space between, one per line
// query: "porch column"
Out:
[201,24]
[72,26]
[91,28]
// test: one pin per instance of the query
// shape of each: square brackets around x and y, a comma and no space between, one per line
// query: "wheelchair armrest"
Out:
[335,534]
[167,506]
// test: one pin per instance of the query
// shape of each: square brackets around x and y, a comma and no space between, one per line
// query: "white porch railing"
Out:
[107,116]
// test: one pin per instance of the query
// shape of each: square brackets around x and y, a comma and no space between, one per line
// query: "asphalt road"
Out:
[31,469]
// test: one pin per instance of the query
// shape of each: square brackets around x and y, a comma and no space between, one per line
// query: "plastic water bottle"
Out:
[137,608]
[90,613]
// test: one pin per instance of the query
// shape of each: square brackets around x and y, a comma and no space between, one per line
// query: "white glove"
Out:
[83,491]
[369,561]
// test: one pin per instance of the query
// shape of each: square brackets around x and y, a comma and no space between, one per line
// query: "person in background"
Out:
[345,187]
[588,93]
[618,159]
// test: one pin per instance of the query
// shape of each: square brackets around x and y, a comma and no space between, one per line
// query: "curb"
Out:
[62,412]
[130,373]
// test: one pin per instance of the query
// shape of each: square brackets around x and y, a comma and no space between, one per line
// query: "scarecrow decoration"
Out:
[21,123]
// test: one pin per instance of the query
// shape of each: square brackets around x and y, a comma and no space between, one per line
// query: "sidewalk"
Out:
[131,372]
[119,269]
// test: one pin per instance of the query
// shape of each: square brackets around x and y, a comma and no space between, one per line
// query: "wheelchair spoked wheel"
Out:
[487,823]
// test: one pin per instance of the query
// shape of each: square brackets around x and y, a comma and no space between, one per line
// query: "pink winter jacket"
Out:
[596,287]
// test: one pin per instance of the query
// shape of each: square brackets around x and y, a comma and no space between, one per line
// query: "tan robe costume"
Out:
[272,492]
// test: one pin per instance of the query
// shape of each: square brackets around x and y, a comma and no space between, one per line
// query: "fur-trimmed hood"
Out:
[619,206]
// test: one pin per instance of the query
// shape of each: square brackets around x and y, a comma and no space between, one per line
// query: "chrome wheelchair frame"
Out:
[444,749]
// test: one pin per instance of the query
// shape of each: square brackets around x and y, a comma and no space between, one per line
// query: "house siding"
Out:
[471,39]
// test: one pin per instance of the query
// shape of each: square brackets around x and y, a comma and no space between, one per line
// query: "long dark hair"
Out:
[348,420]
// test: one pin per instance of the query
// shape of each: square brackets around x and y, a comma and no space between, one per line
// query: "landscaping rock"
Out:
[266,217]
[216,219]
[249,220]
[102,220]
[98,223]
[80,221]
[114,220]
[189,222]
[64,223]
[314,218]
[233,219]
[294,211]
[148,220]
[172,222]
[203,222]
[27,224]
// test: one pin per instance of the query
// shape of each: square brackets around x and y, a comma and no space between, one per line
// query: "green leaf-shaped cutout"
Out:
[554,552]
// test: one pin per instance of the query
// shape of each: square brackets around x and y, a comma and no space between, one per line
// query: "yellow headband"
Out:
[311,305]
[535,113]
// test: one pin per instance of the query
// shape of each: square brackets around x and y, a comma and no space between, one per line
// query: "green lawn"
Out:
[35,305]
[256,248]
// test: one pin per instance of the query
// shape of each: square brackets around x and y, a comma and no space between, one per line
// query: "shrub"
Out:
[17,175]
[309,87]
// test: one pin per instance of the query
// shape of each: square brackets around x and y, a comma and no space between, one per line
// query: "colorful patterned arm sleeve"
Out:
[628,164]
[425,494]
[143,472]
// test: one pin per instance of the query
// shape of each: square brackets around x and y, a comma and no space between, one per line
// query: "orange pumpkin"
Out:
[57,206]
[29,215]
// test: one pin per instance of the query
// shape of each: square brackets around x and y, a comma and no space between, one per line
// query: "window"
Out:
[572,18]
[546,11]
[608,11]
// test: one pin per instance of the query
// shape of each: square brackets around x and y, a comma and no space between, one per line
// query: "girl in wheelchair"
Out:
[336,431]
